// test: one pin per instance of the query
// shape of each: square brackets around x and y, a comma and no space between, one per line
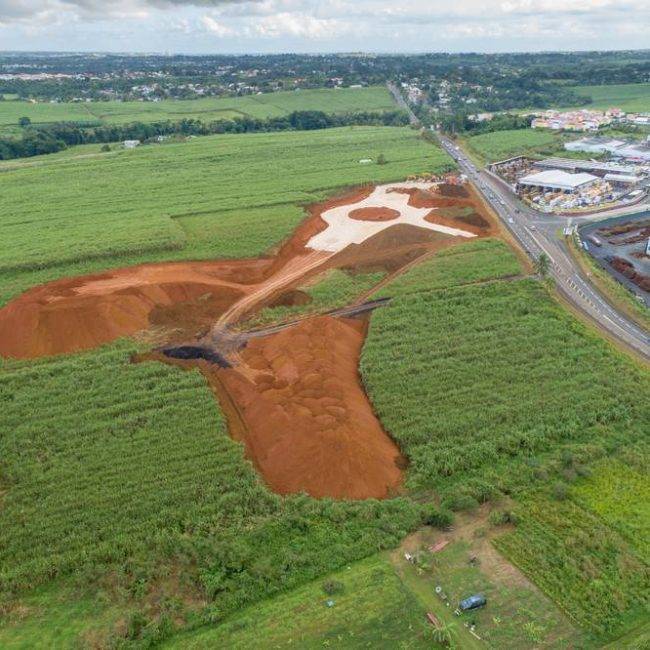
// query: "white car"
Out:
[511,220]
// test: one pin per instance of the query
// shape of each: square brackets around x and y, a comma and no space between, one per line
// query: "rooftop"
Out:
[585,165]
[558,179]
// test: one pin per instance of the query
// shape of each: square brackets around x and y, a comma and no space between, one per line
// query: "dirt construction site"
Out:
[291,393]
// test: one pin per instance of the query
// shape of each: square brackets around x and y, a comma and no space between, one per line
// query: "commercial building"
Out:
[554,180]
[626,149]
[622,180]
[588,166]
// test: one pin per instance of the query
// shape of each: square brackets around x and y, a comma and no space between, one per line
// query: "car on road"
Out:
[511,220]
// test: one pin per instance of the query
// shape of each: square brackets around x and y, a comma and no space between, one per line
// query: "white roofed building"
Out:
[557,180]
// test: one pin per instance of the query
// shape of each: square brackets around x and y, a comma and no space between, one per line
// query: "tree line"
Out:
[56,136]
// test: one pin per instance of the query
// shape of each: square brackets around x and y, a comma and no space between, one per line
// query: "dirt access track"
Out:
[293,397]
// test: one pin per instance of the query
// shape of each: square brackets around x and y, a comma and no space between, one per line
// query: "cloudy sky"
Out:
[233,26]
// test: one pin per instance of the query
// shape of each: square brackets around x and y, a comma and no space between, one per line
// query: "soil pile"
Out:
[81,313]
[308,424]
[374,214]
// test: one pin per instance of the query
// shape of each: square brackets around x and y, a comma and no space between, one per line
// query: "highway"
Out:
[538,233]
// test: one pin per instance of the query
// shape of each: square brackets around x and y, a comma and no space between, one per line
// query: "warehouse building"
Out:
[555,180]
[621,181]
[585,166]
[627,149]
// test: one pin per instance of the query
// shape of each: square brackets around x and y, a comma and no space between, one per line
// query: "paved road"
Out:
[402,103]
[538,234]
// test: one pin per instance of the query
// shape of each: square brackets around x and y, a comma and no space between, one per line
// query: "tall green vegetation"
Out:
[588,568]
[492,389]
[109,466]
[498,145]
[474,380]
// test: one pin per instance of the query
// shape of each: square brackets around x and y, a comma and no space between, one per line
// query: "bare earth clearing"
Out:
[292,397]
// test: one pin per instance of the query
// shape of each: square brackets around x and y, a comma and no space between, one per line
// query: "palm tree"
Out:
[542,265]
[442,634]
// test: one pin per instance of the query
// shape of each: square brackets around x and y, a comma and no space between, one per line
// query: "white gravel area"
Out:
[343,231]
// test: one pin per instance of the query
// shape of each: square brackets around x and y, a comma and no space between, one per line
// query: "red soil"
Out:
[451,196]
[81,313]
[435,217]
[308,424]
[374,214]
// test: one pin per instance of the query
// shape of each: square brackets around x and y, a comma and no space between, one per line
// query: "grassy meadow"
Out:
[370,608]
[217,196]
[500,145]
[629,97]
[343,100]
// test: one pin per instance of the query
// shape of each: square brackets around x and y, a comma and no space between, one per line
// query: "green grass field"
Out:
[629,97]
[220,196]
[375,98]
[620,496]
[517,615]
[584,565]
[499,145]
[371,609]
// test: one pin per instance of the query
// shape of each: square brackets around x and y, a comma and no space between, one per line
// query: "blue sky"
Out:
[235,26]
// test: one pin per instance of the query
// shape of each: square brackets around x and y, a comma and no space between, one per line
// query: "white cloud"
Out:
[296,25]
[310,25]
[216,28]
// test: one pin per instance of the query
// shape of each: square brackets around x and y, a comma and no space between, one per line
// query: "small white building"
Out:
[556,180]
[622,180]
[131,144]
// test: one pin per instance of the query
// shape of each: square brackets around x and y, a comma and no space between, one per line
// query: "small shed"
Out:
[131,144]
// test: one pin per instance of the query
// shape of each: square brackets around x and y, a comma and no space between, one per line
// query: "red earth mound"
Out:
[374,214]
[308,424]
[81,313]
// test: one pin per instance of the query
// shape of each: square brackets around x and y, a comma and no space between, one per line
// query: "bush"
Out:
[436,517]
[560,491]
[460,502]
[332,587]
[502,517]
